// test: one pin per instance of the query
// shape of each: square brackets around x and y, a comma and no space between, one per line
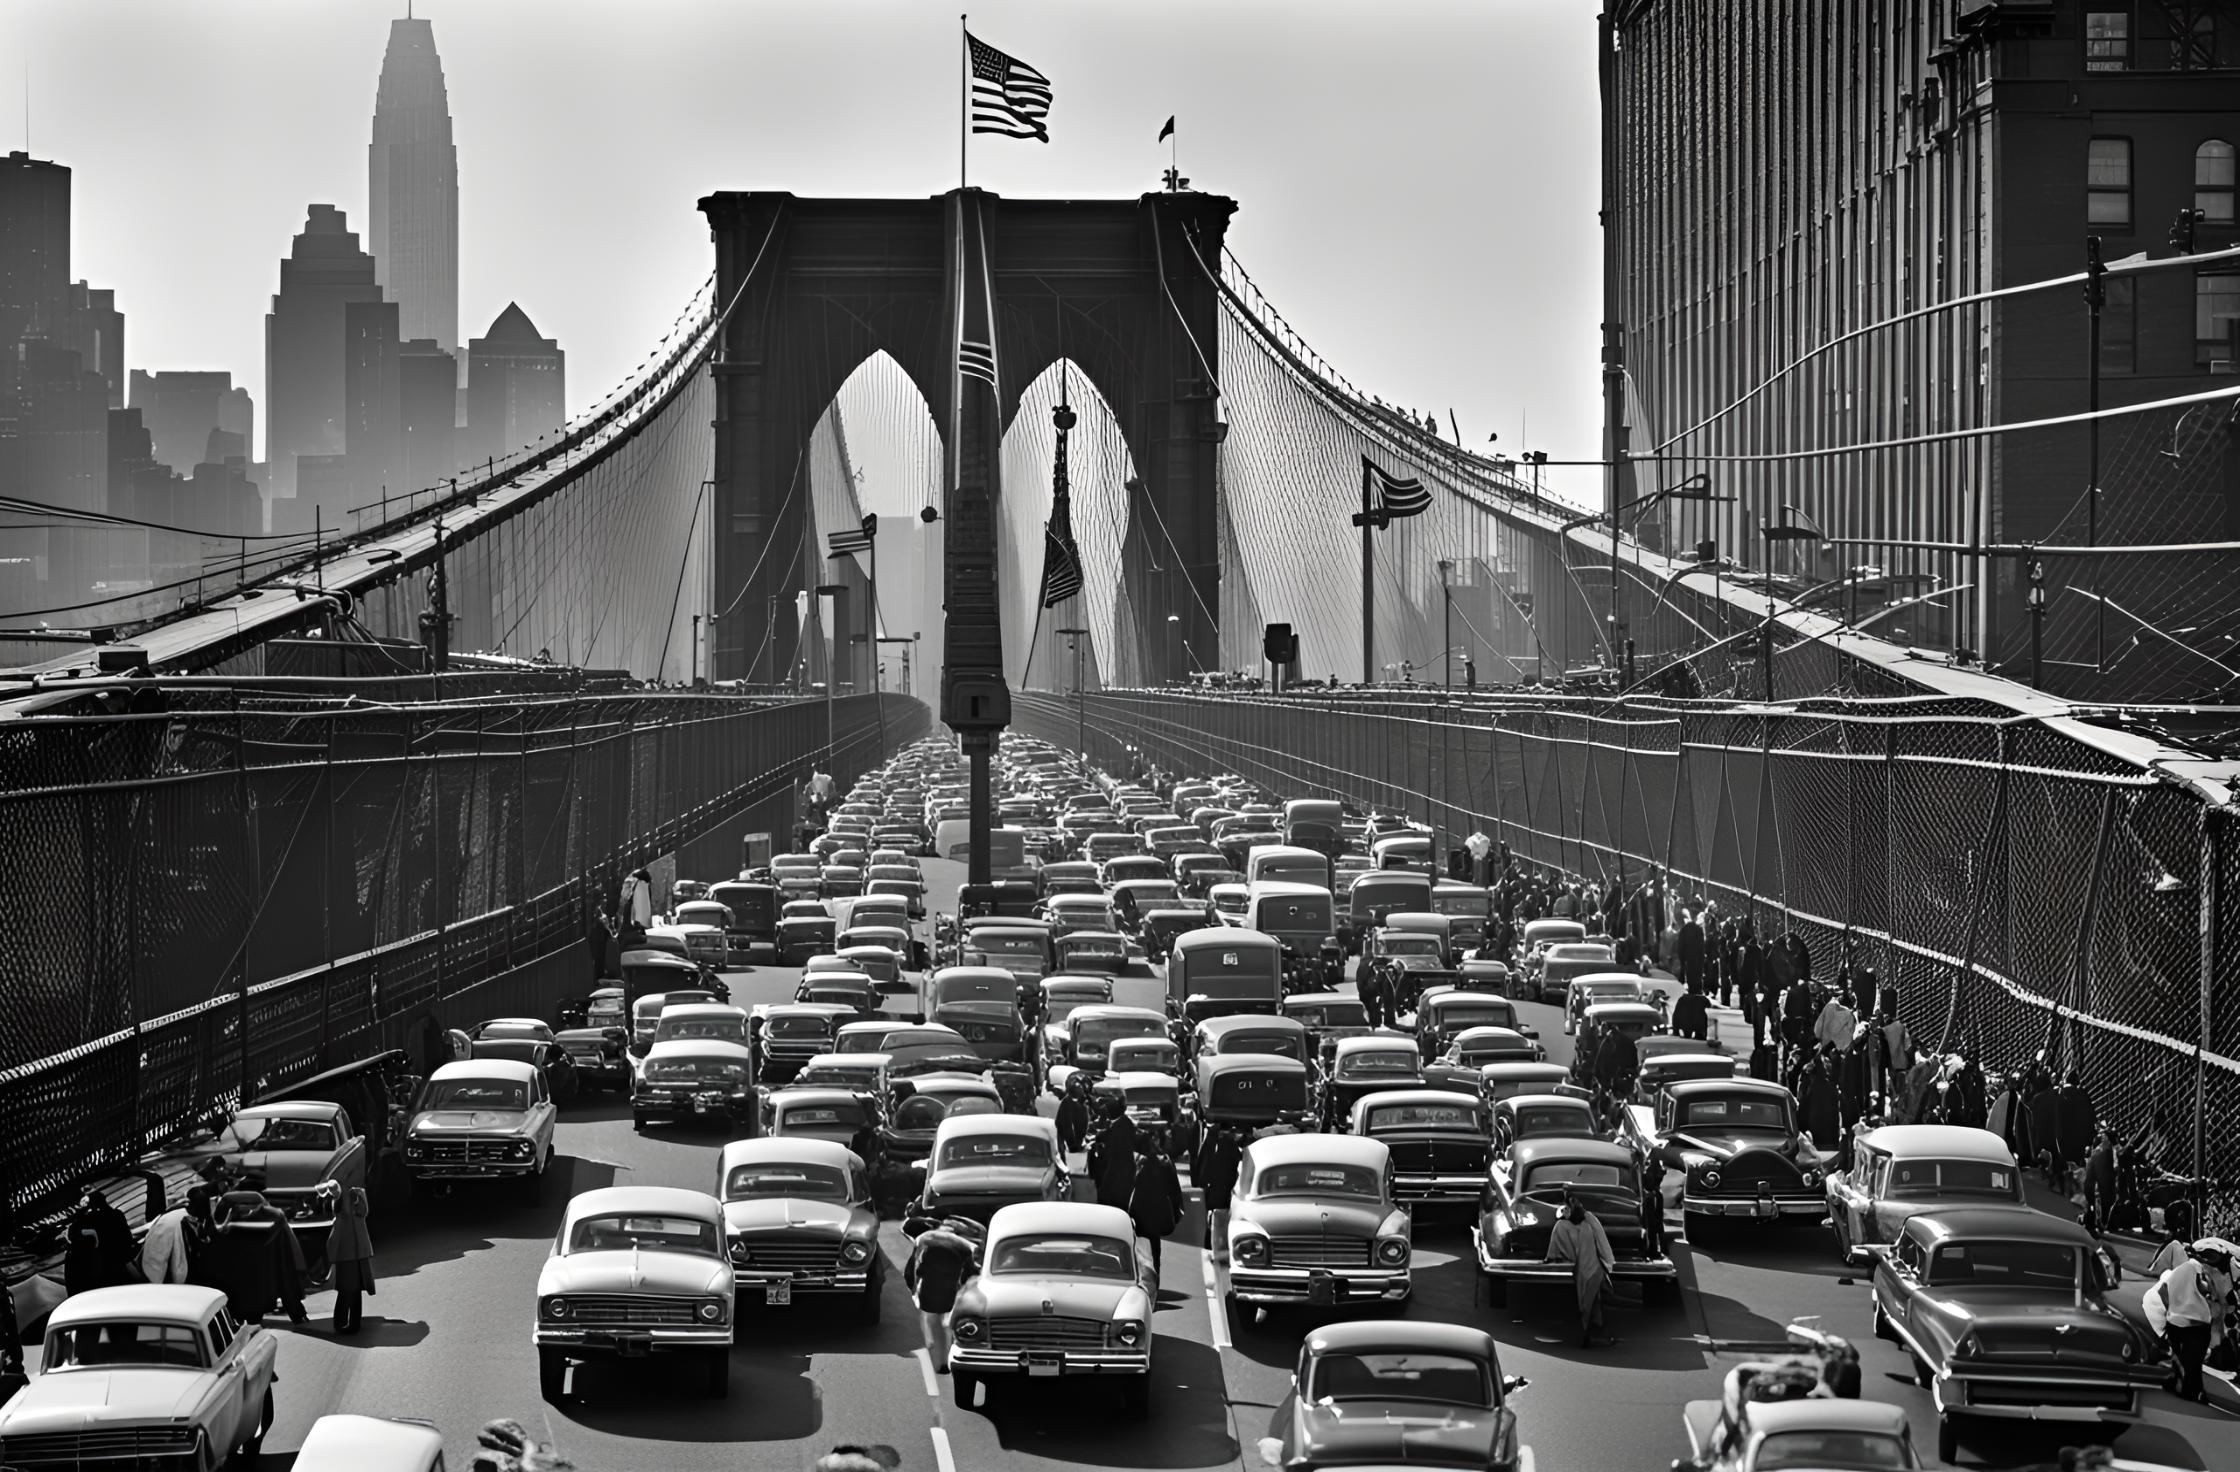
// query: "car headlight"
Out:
[1968,1347]
[556,1308]
[1393,1252]
[521,1149]
[1812,1177]
[968,1330]
[414,1148]
[1128,1332]
[855,1253]
[739,1252]
[711,1311]
[1251,1251]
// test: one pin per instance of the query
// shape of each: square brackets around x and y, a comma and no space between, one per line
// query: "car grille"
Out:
[1046,1333]
[2032,1393]
[123,1448]
[794,1255]
[1439,1158]
[465,1152]
[987,1032]
[1751,1169]
[629,1308]
[1318,1252]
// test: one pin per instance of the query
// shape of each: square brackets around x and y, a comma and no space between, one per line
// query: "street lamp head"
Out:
[1174,618]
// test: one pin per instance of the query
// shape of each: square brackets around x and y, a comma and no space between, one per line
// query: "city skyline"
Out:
[1446,231]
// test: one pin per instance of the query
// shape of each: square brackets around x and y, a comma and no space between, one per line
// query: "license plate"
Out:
[1039,1365]
[778,1295]
[1766,1206]
[699,1106]
[1322,1289]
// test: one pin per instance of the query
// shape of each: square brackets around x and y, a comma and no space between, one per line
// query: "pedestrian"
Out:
[350,1250]
[176,1238]
[1691,1015]
[1820,1100]
[1836,1024]
[1376,994]
[97,1245]
[1799,1011]
[2045,1130]
[1215,1169]
[1689,947]
[595,939]
[1616,1061]
[2076,1120]
[1156,1202]
[1578,1239]
[1652,1206]
[2186,1306]
[2100,1183]
[941,1258]
[505,1446]
[255,1258]
[1073,1115]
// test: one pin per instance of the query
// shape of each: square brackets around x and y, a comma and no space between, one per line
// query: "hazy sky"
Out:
[1416,178]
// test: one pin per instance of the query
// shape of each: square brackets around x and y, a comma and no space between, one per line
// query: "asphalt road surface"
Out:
[446,1338]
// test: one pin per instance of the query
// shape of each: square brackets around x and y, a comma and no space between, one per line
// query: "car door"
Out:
[230,1369]
[1847,1194]
[541,1114]
[1897,1277]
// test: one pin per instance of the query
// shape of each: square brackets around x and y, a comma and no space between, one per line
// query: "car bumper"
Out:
[629,1342]
[598,1069]
[1304,1285]
[1636,1269]
[1765,1208]
[493,1170]
[840,1280]
[1438,1188]
[2038,1399]
[692,1111]
[1039,1363]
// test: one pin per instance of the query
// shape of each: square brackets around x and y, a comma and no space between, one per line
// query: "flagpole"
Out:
[1368,585]
[964,99]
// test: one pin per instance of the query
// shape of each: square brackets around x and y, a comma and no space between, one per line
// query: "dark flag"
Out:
[843,543]
[1393,496]
[1061,559]
[1166,132]
[977,360]
[1009,97]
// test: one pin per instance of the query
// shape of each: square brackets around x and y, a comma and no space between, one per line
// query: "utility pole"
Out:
[832,663]
[1446,617]
[2095,297]
[2037,624]
[1080,694]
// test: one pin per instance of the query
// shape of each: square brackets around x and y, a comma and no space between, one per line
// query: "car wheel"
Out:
[1497,1290]
[867,1307]
[1923,1376]
[1135,1397]
[552,1374]
[719,1374]
[252,1445]
[1701,1227]
[1882,1329]
[1948,1440]
[532,1184]
[967,1387]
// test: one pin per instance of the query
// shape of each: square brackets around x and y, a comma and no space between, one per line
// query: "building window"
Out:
[2119,327]
[2216,306]
[2108,182]
[2107,40]
[2212,181]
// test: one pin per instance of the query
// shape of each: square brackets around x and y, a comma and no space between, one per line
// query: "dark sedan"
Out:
[1376,1393]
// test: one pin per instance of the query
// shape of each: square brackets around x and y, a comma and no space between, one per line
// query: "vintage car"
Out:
[1662,1068]
[1462,1067]
[981,1163]
[981,1004]
[796,878]
[2002,1309]
[877,951]
[482,1120]
[1731,1148]
[862,1072]
[1556,966]
[1082,1035]
[351,1443]
[1596,987]
[1498,1081]
[1444,1014]
[1245,1091]
[850,989]
[1375,895]
[1327,1016]
[1636,1020]
[787,1035]
[916,1107]
[147,1374]
[1800,1410]
[1230,902]
[636,1270]
[805,929]
[1055,1000]
[1469,911]
[706,926]
[1061,1291]
[903,879]
[1091,950]
[1020,946]
[840,880]
[1525,1193]
[754,914]
[1900,1169]
[602,1007]
[1214,971]
[1483,974]
[713,1022]
[702,1081]
[1068,913]
[1364,1065]
[1523,1117]
[1314,1221]
[1152,1100]
[1131,867]
[548,1058]
[600,1047]
[1143,1055]
[838,1116]
[1441,1142]
[288,1151]
[645,1015]
[647,971]
[1409,961]
[1068,876]
[1165,924]
[1398,1394]
[1537,935]
[798,1219]
[1246,1032]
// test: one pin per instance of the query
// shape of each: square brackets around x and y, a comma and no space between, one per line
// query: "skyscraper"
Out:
[34,247]
[303,354]
[412,187]
[516,388]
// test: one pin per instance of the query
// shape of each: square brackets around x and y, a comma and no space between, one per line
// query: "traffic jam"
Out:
[1334,1036]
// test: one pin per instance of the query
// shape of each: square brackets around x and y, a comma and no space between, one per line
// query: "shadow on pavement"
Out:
[772,1399]
[375,1333]
[471,1215]
[1083,1424]
[2007,1443]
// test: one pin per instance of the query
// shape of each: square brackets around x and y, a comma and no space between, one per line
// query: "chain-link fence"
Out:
[220,885]
[2023,890]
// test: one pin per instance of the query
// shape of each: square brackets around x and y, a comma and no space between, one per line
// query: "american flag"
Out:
[843,543]
[977,360]
[1061,559]
[1395,497]
[1008,96]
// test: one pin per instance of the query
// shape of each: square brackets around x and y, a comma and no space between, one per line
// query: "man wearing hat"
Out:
[2186,1307]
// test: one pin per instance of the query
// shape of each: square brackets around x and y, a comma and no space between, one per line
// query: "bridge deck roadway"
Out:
[446,1338]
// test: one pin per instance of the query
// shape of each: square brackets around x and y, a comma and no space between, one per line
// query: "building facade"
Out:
[517,388]
[182,409]
[412,187]
[1779,178]
[304,334]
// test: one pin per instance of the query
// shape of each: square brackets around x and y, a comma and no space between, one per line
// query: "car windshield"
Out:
[1332,1014]
[799,1027]
[2006,1264]
[1478,1014]
[1309,1178]
[606,1011]
[475,1093]
[1551,1176]
[1017,1150]
[82,1346]
[1281,1044]
[720,1029]
[1061,1005]
[824,1116]
[1008,945]
[1064,1254]
[1381,1061]
[1473,905]
[976,989]
[837,1076]
[785,1178]
[1919,1179]
[1824,1451]
[1442,1379]
[1409,943]
[1104,1029]
[1589,993]
[622,1231]
[926,1111]
[1423,1117]
[532,1030]
[1548,1120]
[696,1070]
[265,1132]
[1749,1112]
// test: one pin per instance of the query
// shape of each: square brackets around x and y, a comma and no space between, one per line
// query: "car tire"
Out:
[252,1445]
[1948,1440]
[552,1375]
[1497,1290]
[1135,1397]
[638,1123]
[532,1183]
[966,1387]
[1882,1329]
[1702,1228]
[1923,1376]
[868,1303]
[719,1374]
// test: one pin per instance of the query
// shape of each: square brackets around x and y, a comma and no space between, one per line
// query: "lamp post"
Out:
[1446,616]
[1174,635]
[1788,531]
[1080,699]
[2037,573]
[826,591]
[1696,487]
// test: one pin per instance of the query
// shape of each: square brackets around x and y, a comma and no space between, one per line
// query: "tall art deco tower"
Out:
[412,183]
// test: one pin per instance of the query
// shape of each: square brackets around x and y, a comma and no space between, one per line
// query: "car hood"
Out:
[785,1214]
[283,1170]
[1291,1216]
[1398,1431]
[988,1180]
[73,1400]
[450,1121]
[634,1272]
[1727,1144]
[1012,1295]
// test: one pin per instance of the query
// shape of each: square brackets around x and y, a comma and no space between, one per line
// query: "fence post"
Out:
[2081,994]
[1993,827]
[2212,925]
[252,878]
[326,892]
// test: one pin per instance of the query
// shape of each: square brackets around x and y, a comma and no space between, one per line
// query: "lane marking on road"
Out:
[925,1368]
[941,1456]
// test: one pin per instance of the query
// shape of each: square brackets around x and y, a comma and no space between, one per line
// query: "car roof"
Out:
[1376,1042]
[520,1073]
[1445,1097]
[647,956]
[1408,919]
[848,1060]
[1944,1141]
[1225,936]
[1488,1033]
[1768,1417]
[1058,1216]
[175,1303]
[1621,1012]
[1529,1072]
[1213,1065]
[1566,1147]
[1096,1010]
[1688,1088]
[291,1109]
[1319,999]
[1608,978]
[643,1198]
[1221,1027]
[1327,1149]
[995,1124]
[791,1148]
[1572,1102]
[973,973]
[1142,1078]
[956,1083]
[698,1048]
[814,1097]
[1353,1336]
[2004,1223]
[1063,982]
[690,1010]
[350,1443]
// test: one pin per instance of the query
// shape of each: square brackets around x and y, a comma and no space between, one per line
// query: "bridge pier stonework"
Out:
[1112,285]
